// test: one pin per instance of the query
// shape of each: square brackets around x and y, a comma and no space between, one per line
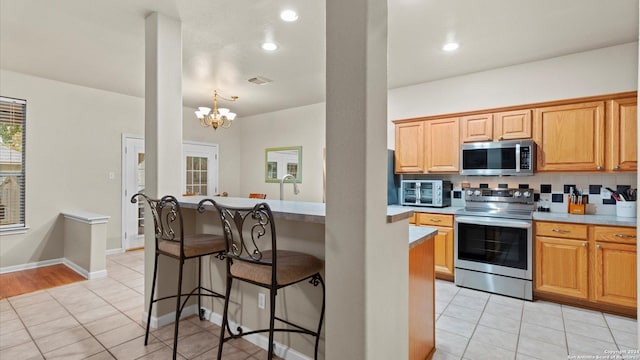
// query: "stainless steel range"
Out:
[494,242]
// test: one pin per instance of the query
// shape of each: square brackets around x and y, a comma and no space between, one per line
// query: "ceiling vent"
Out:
[259,80]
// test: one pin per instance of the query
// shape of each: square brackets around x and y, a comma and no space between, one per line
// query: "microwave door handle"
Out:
[517,158]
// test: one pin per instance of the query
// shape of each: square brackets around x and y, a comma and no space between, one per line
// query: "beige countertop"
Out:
[420,234]
[304,211]
[589,219]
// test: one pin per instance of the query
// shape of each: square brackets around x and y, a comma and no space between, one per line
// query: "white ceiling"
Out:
[100,43]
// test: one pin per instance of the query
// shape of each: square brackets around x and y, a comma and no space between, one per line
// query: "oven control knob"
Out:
[469,192]
[527,194]
[477,193]
[517,194]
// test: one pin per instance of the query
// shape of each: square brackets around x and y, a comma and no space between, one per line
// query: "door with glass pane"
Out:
[200,169]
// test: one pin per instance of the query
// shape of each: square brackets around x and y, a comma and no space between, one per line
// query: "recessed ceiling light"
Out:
[269,46]
[450,46]
[289,15]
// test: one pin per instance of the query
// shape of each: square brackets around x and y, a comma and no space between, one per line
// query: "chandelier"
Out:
[219,117]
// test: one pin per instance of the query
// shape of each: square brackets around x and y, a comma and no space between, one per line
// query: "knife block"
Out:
[577,209]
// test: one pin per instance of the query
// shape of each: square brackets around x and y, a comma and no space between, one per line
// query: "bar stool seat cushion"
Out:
[194,245]
[292,267]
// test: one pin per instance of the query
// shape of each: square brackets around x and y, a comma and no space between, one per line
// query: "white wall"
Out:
[73,142]
[608,70]
[301,126]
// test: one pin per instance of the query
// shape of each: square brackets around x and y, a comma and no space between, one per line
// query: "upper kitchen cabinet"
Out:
[512,125]
[506,125]
[442,145]
[409,155]
[476,128]
[570,137]
[622,150]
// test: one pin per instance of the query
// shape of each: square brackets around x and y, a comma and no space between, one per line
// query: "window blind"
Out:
[12,161]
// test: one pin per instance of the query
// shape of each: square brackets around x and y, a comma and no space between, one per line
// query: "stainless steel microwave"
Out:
[434,193]
[498,158]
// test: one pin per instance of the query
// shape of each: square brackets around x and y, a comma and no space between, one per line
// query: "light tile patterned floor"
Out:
[474,325]
[101,319]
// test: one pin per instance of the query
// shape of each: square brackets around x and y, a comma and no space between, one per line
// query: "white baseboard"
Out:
[84,273]
[169,318]
[262,341]
[33,265]
[114,251]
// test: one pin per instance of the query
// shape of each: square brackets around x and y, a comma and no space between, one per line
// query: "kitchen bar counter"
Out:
[304,211]
[420,234]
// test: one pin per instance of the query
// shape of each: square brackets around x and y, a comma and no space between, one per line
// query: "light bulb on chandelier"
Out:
[219,117]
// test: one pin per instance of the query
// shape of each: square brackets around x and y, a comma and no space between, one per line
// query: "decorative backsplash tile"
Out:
[554,184]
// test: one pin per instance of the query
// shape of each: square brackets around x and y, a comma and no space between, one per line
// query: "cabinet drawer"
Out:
[624,235]
[561,230]
[435,219]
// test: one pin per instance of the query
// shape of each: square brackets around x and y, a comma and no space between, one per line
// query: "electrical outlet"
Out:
[261,300]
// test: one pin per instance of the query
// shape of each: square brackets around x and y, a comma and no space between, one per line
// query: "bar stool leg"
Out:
[225,317]
[153,289]
[177,323]
[272,299]
[321,316]
[200,315]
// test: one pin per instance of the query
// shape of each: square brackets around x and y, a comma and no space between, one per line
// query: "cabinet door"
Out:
[443,257]
[561,266]
[442,143]
[476,128]
[512,125]
[570,137]
[615,271]
[623,133]
[409,155]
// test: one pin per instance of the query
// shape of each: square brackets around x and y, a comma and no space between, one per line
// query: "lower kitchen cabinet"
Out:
[443,242]
[589,265]
[615,264]
[422,330]
[562,266]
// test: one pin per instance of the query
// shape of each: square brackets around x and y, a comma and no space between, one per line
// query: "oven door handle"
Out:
[491,221]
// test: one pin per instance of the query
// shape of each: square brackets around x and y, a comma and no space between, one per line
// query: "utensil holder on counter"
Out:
[626,209]
[578,207]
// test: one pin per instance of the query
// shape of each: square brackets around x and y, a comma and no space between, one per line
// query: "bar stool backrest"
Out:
[167,218]
[248,233]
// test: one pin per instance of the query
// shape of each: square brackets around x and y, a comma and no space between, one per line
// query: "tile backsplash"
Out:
[552,187]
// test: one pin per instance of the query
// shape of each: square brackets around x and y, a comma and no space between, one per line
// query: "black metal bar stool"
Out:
[171,242]
[248,233]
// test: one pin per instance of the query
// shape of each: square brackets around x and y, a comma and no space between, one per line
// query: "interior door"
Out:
[200,169]
[133,175]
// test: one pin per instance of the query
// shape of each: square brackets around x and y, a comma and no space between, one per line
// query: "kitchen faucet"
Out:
[295,185]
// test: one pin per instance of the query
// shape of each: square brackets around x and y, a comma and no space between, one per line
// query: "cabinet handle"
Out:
[625,236]
[584,244]
[599,167]
[561,231]
[435,220]
[598,246]
[617,167]
[500,138]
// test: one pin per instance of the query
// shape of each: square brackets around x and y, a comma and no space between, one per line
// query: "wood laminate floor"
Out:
[26,281]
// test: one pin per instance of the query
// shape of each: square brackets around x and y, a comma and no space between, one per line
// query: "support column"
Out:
[163,141]
[366,258]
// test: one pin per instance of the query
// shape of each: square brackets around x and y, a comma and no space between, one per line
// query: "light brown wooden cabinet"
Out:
[592,264]
[443,242]
[477,127]
[409,153]
[622,130]
[442,145]
[506,125]
[422,334]
[570,137]
[428,146]
[561,264]
[615,264]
